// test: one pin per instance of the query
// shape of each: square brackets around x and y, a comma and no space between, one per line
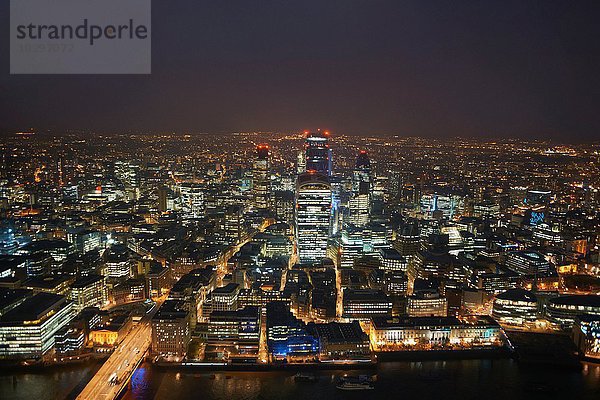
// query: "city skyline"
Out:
[296,200]
[278,252]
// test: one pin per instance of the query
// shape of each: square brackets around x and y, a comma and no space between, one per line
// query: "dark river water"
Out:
[59,383]
[455,379]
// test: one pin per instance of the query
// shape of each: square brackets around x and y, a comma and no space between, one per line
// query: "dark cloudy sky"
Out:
[432,68]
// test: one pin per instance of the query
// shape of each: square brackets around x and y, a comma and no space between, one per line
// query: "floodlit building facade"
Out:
[171,330]
[515,307]
[431,333]
[28,330]
[313,211]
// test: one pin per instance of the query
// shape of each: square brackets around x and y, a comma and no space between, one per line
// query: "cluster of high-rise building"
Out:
[268,247]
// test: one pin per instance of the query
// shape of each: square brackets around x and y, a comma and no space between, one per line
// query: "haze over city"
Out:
[433,69]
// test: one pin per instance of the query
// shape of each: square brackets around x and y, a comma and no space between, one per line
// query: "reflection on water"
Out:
[58,383]
[464,380]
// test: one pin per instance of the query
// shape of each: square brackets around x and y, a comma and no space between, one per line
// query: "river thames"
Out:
[452,379]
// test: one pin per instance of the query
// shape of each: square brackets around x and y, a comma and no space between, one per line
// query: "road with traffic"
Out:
[118,368]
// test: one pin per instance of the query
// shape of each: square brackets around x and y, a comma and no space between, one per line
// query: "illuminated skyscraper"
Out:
[318,154]
[261,177]
[360,200]
[336,193]
[313,212]
[301,162]
[192,202]
[129,175]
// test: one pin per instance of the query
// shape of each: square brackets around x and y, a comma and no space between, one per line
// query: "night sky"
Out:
[427,68]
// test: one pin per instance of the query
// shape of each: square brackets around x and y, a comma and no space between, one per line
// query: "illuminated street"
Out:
[122,362]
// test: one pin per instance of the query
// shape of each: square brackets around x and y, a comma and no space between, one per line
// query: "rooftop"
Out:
[172,309]
[87,280]
[431,322]
[589,300]
[336,332]
[34,308]
[9,297]
[48,282]
[227,289]
[365,295]
[518,295]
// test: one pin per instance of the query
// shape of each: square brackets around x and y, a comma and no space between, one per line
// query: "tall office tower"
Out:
[394,189]
[191,200]
[234,227]
[129,175]
[261,177]
[162,198]
[360,201]
[301,162]
[317,152]
[313,212]
[283,205]
[336,193]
